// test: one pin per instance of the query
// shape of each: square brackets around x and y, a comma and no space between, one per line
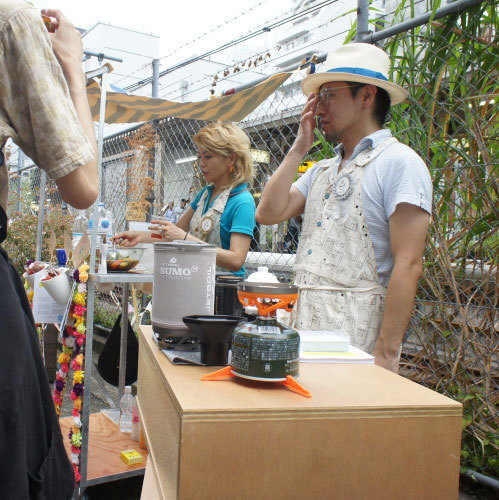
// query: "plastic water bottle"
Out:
[126,404]
[135,435]
[110,218]
[80,226]
[103,223]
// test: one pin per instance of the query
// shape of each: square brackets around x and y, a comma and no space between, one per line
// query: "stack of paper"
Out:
[353,355]
[324,340]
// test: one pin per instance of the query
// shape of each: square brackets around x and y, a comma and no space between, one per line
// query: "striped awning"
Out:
[124,108]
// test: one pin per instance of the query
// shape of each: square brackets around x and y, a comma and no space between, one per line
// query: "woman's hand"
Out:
[168,230]
[131,238]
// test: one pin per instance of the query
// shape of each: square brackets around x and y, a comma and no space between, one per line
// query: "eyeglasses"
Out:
[326,96]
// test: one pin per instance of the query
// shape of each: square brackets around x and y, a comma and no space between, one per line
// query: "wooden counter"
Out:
[366,433]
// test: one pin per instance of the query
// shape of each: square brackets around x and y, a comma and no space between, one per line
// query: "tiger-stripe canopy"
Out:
[124,108]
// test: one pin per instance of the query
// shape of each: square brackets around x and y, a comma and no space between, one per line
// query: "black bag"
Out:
[109,359]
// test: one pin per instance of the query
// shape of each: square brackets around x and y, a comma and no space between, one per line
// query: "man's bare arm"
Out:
[408,229]
[81,187]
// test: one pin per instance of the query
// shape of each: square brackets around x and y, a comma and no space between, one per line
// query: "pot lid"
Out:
[267,288]
[184,246]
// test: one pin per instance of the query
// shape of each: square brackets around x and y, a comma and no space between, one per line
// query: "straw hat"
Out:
[359,63]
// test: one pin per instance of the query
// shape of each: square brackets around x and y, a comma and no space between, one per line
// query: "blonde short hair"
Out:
[224,139]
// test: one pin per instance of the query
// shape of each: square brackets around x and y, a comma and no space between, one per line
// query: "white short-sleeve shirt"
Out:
[396,175]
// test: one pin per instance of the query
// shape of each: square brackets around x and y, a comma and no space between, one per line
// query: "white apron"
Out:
[335,264]
[206,226]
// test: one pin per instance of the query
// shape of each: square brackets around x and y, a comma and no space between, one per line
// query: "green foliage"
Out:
[105,314]
[21,235]
[449,67]
[322,149]
[480,442]
[450,119]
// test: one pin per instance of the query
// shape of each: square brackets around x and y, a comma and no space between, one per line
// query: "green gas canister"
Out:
[265,349]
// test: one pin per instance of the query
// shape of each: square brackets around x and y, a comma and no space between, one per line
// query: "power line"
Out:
[287,54]
[190,42]
[273,60]
[232,43]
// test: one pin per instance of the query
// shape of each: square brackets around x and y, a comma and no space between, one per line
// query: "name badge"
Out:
[343,187]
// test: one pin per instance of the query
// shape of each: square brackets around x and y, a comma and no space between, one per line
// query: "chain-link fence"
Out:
[450,69]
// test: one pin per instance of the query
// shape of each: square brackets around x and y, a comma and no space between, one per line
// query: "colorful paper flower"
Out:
[79,310]
[59,385]
[76,439]
[63,358]
[70,343]
[78,389]
[80,299]
[76,473]
[78,377]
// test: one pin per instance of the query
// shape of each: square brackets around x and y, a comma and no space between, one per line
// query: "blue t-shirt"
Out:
[238,216]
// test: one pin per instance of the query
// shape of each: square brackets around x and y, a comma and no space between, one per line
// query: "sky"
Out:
[176,23]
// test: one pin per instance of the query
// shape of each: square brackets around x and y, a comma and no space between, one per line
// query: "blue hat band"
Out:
[360,72]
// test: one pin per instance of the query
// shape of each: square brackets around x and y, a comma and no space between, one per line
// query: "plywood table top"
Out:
[337,390]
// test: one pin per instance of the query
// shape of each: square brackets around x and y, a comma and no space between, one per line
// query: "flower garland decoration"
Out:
[73,342]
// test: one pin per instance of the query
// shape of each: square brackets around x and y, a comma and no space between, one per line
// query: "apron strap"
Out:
[370,288]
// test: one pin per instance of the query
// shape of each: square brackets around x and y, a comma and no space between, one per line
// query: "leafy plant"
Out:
[21,235]
[140,183]
[451,121]
[449,67]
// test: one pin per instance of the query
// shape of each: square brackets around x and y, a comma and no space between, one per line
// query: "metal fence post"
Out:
[87,395]
[155,77]
[362,19]
[41,214]
[100,141]
[20,165]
